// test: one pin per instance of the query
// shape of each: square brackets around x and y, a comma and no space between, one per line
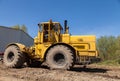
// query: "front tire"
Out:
[60,57]
[13,57]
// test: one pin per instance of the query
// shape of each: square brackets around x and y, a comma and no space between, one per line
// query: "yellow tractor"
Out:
[54,47]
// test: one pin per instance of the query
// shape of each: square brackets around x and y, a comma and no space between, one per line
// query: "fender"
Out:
[22,47]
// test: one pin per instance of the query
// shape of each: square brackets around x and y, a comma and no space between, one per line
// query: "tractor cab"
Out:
[50,31]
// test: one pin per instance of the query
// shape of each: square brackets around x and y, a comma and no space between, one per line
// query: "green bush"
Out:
[109,49]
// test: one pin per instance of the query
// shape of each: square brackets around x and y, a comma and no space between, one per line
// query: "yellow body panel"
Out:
[86,45]
[40,50]
[65,38]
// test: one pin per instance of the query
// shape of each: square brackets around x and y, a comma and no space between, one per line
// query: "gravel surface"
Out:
[91,73]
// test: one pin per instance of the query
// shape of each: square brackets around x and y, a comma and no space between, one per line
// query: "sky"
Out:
[85,17]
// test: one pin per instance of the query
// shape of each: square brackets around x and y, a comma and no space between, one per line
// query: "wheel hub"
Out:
[10,57]
[59,59]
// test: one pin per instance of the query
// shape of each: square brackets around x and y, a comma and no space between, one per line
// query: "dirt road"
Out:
[91,73]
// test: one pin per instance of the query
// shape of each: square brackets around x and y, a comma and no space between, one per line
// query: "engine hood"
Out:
[84,38]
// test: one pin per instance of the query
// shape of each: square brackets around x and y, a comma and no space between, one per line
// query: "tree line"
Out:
[22,27]
[109,48]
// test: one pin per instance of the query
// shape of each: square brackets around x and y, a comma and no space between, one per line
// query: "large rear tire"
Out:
[13,57]
[60,57]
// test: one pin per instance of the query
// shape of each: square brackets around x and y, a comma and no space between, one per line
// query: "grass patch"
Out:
[115,62]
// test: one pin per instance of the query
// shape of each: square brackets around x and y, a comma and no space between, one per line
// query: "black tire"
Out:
[13,57]
[60,57]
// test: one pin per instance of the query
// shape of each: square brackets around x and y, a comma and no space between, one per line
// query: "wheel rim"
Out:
[59,59]
[10,57]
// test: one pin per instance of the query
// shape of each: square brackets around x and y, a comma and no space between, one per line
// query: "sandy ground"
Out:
[91,73]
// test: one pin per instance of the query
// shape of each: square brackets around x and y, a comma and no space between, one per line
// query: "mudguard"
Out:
[21,46]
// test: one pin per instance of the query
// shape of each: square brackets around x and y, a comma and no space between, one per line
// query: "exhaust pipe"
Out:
[65,26]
